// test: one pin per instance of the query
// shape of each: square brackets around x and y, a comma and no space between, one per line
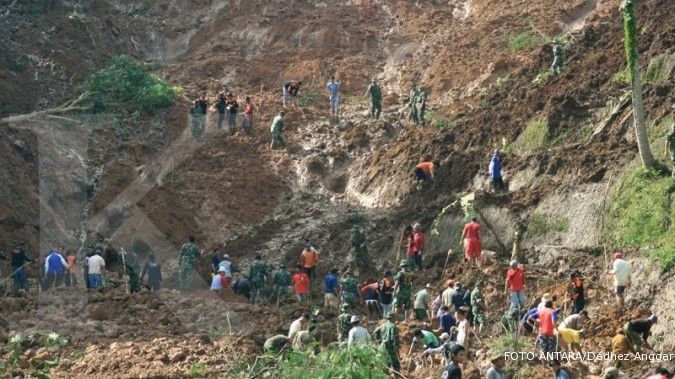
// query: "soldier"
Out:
[276,129]
[412,104]
[403,292]
[343,323]
[187,260]
[670,147]
[478,307]
[154,271]
[281,280]
[375,94]
[388,336]
[360,251]
[275,344]
[258,276]
[132,269]
[558,57]
[198,111]
[350,290]
[421,107]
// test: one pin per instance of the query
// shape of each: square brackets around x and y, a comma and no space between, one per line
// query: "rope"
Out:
[11,276]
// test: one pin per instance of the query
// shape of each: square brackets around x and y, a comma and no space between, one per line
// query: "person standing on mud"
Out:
[258,274]
[154,271]
[670,147]
[199,111]
[412,104]
[418,242]
[132,269]
[386,287]
[361,257]
[621,270]
[331,290]
[18,259]
[472,243]
[187,260]
[495,170]
[232,107]
[221,105]
[55,267]
[309,258]
[558,57]
[515,285]
[95,267]
[388,335]
[577,297]
[402,294]
[333,96]
[247,122]
[277,129]
[281,280]
[350,289]
[375,93]
[71,273]
[547,323]
[421,107]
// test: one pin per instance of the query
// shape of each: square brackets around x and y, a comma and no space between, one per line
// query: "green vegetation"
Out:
[355,219]
[77,16]
[197,370]
[658,70]
[127,85]
[525,40]
[640,213]
[438,120]
[657,132]
[540,224]
[310,98]
[622,77]
[542,76]
[534,137]
[356,362]
[17,345]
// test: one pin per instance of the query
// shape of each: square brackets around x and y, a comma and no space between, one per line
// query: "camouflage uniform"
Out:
[412,104]
[258,276]
[275,344]
[477,305]
[276,129]
[421,106]
[343,325]
[375,99]
[350,292]
[671,144]
[360,250]
[403,295]
[388,336]
[558,58]
[189,255]
[132,269]
[281,281]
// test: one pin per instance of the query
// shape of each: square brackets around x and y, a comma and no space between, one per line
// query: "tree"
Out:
[630,42]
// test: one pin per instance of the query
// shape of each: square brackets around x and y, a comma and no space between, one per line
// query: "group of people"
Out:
[227,108]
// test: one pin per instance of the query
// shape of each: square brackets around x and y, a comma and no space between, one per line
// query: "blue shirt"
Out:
[561,374]
[333,88]
[330,284]
[447,321]
[495,167]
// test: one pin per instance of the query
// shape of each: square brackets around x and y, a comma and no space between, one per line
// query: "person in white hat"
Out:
[219,281]
[357,334]
[421,306]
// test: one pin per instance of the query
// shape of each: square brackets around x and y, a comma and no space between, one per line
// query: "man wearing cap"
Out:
[418,241]
[639,331]
[496,370]
[458,296]
[277,128]
[402,295]
[571,330]
[388,335]
[478,307]
[226,265]
[357,334]
[343,323]
[421,306]
[448,293]
[621,270]
[444,349]
[219,281]
[515,285]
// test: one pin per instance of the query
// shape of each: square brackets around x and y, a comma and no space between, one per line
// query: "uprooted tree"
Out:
[124,86]
[630,42]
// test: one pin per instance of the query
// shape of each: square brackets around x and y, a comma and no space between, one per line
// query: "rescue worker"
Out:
[478,307]
[331,290]
[258,274]
[241,285]
[187,260]
[388,336]
[71,273]
[421,306]
[290,90]
[55,266]
[495,171]
[154,271]
[350,289]
[199,111]
[639,331]
[421,106]
[514,285]
[343,323]
[277,129]
[232,107]
[571,330]
[358,335]
[132,269]
[472,243]
[221,105]
[426,171]
[359,240]
[333,96]
[418,242]
[386,287]
[18,259]
[402,294]
[558,57]
[227,266]
[247,122]
[577,297]
[412,104]
[621,270]
[670,147]
[309,258]
[275,344]
[375,93]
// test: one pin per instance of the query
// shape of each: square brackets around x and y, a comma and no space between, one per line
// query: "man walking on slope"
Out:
[621,270]
[18,259]
[258,274]
[333,97]
[309,258]
[515,284]
[388,335]
[418,241]
[55,266]
[472,244]
[187,260]
[496,172]
[277,129]
[375,94]
[426,171]
[280,283]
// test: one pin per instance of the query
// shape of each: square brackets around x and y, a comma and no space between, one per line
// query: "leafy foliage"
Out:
[534,137]
[125,84]
[355,362]
[540,224]
[542,76]
[525,40]
[310,98]
[438,120]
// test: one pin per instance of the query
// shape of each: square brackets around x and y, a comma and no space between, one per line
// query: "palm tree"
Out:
[630,42]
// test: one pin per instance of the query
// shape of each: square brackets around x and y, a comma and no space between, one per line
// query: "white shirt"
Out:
[226,266]
[446,297]
[296,326]
[461,332]
[358,335]
[95,263]
[216,283]
[621,270]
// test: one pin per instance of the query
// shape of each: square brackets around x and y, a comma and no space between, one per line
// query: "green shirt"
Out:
[422,299]
[277,125]
[429,338]
[375,92]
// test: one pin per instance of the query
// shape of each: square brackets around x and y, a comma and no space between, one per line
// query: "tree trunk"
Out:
[630,42]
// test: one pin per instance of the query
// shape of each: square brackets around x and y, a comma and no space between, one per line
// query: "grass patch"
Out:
[77,16]
[310,98]
[540,224]
[658,70]
[534,137]
[126,85]
[524,41]
[365,361]
[355,219]
[437,120]
[542,76]
[657,131]
[197,370]
[640,214]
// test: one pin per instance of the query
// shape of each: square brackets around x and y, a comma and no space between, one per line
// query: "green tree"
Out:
[630,41]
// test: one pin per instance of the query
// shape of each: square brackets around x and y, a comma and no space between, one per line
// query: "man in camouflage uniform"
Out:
[277,128]
[187,260]
[350,291]
[403,293]
[375,94]
[388,336]
[343,324]
[670,146]
[558,57]
[421,106]
[258,276]
[412,104]
[280,282]
[132,269]
[478,307]
[360,251]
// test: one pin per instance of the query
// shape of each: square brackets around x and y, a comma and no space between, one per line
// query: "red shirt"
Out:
[301,283]
[417,241]
[472,230]
[249,109]
[224,281]
[515,279]
[546,323]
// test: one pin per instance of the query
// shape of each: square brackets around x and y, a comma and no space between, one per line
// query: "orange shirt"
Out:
[309,258]
[301,283]
[472,230]
[426,167]
[546,322]
[70,259]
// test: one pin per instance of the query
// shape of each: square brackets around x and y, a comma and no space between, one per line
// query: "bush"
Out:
[540,224]
[437,120]
[525,40]
[640,213]
[310,98]
[127,85]
[364,361]
[534,137]
[542,76]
